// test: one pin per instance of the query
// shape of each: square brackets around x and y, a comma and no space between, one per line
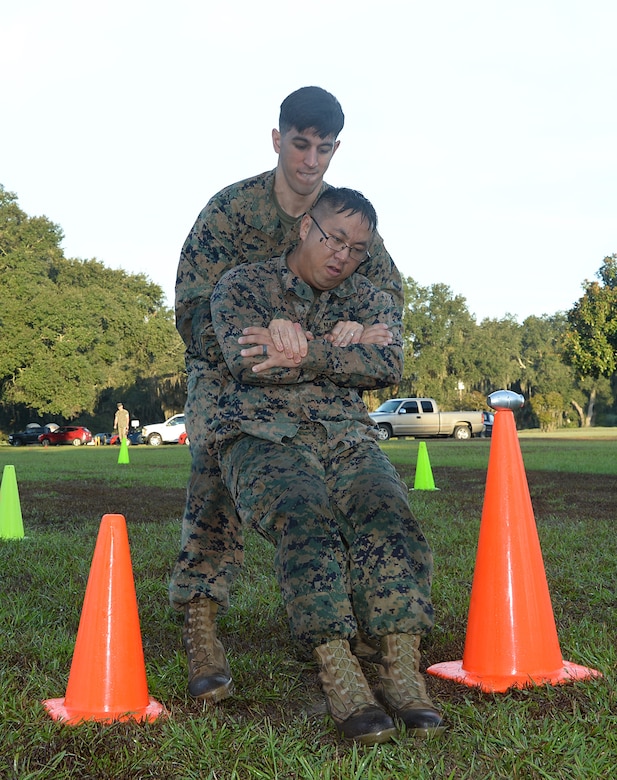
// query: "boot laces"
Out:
[202,645]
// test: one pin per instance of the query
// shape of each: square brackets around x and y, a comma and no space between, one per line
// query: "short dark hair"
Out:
[312,108]
[342,199]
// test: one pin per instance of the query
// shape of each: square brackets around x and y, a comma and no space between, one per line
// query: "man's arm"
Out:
[382,272]
[238,225]
[241,299]
[206,255]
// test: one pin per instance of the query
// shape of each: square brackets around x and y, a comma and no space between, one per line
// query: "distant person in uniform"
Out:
[121,421]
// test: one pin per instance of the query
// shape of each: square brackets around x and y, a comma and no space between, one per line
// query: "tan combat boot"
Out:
[209,672]
[354,710]
[402,687]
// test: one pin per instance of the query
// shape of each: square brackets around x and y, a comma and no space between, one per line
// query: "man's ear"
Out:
[276,140]
[335,147]
[305,225]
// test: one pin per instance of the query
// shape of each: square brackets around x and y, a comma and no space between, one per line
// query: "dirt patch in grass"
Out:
[552,492]
[70,502]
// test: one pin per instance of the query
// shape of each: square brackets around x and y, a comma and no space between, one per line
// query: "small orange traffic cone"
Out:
[107,680]
[511,639]
[123,455]
[11,521]
[424,474]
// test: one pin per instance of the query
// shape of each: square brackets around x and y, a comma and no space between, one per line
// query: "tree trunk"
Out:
[579,411]
[590,406]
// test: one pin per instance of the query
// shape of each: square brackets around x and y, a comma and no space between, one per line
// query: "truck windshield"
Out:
[389,407]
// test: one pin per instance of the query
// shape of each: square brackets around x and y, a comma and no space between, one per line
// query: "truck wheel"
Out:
[384,432]
[155,439]
[462,432]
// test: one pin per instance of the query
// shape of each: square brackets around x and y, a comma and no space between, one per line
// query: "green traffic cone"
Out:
[424,475]
[123,455]
[11,521]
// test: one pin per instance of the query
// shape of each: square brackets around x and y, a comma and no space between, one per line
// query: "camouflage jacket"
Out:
[325,388]
[241,225]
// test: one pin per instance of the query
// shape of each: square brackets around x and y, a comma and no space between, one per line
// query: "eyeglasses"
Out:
[338,245]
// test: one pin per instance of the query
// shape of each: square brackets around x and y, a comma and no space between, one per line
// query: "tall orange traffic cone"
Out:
[424,474]
[123,455]
[11,521]
[511,639]
[107,680]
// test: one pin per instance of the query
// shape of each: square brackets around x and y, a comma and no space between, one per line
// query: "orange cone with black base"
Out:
[511,639]
[107,680]
[424,474]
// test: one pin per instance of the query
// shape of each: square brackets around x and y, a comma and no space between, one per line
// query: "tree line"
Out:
[77,337]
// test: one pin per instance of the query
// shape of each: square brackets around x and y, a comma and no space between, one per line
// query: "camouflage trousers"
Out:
[350,557]
[211,545]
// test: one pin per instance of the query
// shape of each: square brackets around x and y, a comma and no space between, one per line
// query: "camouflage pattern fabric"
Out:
[298,454]
[325,387]
[341,522]
[238,225]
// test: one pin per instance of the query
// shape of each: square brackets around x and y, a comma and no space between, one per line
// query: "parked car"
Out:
[133,437]
[29,436]
[167,432]
[487,431]
[66,434]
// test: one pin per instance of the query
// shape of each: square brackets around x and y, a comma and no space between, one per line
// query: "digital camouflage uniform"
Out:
[240,224]
[299,455]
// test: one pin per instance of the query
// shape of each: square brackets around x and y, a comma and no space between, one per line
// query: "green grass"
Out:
[270,728]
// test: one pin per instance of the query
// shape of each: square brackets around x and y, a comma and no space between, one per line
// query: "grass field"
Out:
[274,727]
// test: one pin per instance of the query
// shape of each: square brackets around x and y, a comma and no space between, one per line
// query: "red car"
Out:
[66,434]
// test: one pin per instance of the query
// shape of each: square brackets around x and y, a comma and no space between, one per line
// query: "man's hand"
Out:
[347,332]
[284,343]
[344,333]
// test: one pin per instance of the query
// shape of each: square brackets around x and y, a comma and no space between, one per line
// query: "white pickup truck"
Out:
[167,432]
[421,418]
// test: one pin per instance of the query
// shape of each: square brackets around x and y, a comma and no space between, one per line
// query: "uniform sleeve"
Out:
[240,300]
[207,253]
[362,366]
[382,272]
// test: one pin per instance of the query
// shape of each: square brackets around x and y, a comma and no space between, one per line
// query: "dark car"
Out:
[30,435]
[487,431]
[66,434]
[133,437]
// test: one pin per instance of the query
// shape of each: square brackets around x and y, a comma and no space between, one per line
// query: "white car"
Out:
[167,432]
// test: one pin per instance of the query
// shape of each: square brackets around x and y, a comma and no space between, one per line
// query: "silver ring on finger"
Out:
[264,350]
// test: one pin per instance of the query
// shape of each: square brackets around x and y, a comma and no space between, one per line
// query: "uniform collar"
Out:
[291,282]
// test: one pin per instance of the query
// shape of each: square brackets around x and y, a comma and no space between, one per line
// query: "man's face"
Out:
[315,263]
[304,158]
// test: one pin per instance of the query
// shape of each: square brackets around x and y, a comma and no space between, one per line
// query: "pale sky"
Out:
[484,132]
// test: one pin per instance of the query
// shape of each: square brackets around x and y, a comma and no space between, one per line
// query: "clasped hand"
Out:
[287,343]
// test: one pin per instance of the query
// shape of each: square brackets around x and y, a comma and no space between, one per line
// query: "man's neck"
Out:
[291,202]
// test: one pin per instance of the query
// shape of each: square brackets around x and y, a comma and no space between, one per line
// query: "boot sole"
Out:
[217,694]
[376,739]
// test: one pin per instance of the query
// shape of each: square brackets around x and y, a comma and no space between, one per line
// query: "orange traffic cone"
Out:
[424,474]
[107,680]
[511,638]
[11,521]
